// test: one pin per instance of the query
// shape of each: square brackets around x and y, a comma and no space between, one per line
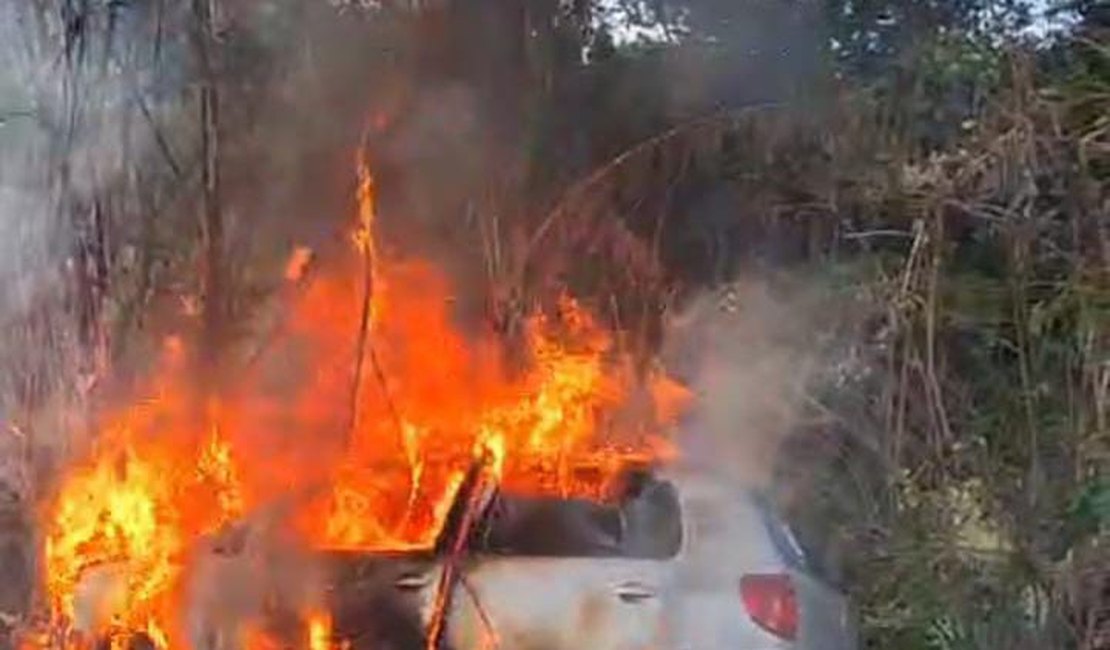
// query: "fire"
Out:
[392,405]
[119,518]
[319,632]
[129,517]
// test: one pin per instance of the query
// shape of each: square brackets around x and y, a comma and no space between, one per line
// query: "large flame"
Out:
[386,406]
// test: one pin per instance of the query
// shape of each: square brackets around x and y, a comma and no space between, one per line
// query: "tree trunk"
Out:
[212,231]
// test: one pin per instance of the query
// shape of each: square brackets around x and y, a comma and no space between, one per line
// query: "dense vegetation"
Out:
[937,170]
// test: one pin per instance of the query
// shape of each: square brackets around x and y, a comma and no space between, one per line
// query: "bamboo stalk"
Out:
[483,487]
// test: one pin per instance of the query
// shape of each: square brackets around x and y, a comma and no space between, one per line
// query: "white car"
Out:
[685,562]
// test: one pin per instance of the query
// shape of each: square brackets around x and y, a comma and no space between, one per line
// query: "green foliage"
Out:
[1089,514]
[998,445]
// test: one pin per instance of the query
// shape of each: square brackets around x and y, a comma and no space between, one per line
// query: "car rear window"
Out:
[781,536]
[646,524]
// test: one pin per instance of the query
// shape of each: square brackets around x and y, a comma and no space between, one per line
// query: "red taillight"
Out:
[770,601]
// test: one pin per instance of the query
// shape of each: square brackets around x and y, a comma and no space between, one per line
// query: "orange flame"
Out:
[131,515]
[372,463]
[319,632]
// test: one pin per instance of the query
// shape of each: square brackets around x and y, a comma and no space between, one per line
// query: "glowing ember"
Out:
[298,263]
[391,408]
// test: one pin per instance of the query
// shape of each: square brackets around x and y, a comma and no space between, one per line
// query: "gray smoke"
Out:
[749,352]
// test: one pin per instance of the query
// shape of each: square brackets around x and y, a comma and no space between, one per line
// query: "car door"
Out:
[558,603]
[377,600]
[557,574]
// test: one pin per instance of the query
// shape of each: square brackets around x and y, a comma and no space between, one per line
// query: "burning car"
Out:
[678,560]
[447,499]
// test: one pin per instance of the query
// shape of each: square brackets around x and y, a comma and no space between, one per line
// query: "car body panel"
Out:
[381,602]
[723,540]
[559,604]
[826,621]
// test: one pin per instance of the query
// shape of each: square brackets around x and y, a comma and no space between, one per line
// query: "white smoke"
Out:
[747,354]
